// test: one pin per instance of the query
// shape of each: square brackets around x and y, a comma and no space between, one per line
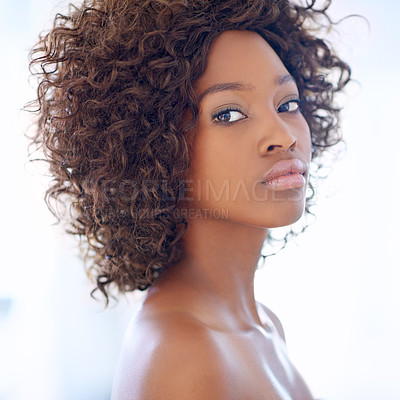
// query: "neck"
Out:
[218,269]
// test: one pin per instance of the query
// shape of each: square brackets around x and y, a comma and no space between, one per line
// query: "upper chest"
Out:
[259,367]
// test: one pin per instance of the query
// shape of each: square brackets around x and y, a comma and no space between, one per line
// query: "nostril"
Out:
[293,145]
[272,147]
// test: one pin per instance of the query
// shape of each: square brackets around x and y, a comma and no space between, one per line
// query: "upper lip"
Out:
[285,167]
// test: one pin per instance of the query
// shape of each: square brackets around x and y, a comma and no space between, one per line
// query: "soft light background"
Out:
[336,290]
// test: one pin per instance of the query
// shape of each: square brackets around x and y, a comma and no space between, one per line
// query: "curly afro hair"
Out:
[115,80]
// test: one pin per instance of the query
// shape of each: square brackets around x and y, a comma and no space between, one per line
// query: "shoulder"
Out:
[274,320]
[171,357]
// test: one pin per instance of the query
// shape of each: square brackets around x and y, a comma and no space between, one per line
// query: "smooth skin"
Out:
[200,333]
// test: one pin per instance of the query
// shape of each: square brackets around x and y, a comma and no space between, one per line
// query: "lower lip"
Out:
[286,182]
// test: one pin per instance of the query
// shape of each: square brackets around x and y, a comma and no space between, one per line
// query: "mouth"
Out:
[286,174]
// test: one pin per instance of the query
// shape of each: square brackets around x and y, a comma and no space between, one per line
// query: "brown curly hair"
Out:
[115,80]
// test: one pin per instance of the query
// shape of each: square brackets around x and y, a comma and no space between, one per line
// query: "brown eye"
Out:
[290,106]
[228,116]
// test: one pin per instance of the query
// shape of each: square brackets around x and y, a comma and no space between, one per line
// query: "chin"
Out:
[279,220]
[271,217]
[280,212]
[286,215]
[284,221]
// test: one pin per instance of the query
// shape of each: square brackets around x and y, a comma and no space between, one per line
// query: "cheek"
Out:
[215,168]
[304,138]
[211,152]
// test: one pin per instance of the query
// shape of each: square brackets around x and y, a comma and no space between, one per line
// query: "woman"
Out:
[179,133]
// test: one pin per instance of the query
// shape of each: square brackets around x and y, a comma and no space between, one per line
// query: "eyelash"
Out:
[229,109]
[297,101]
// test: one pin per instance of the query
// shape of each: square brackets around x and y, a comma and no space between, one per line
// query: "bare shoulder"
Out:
[170,357]
[274,319]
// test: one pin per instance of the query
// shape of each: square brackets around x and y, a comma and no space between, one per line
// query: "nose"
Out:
[277,137]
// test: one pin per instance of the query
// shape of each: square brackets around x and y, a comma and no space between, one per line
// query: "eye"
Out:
[290,106]
[228,116]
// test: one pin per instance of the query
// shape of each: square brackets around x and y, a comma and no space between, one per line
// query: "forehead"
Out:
[241,56]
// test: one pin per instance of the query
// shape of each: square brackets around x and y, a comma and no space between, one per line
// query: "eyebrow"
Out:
[281,80]
[220,87]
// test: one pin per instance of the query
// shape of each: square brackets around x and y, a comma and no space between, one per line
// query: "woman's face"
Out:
[252,145]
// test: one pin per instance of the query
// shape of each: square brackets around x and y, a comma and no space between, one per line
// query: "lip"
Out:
[286,174]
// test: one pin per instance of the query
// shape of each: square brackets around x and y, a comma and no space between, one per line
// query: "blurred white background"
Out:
[336,290]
